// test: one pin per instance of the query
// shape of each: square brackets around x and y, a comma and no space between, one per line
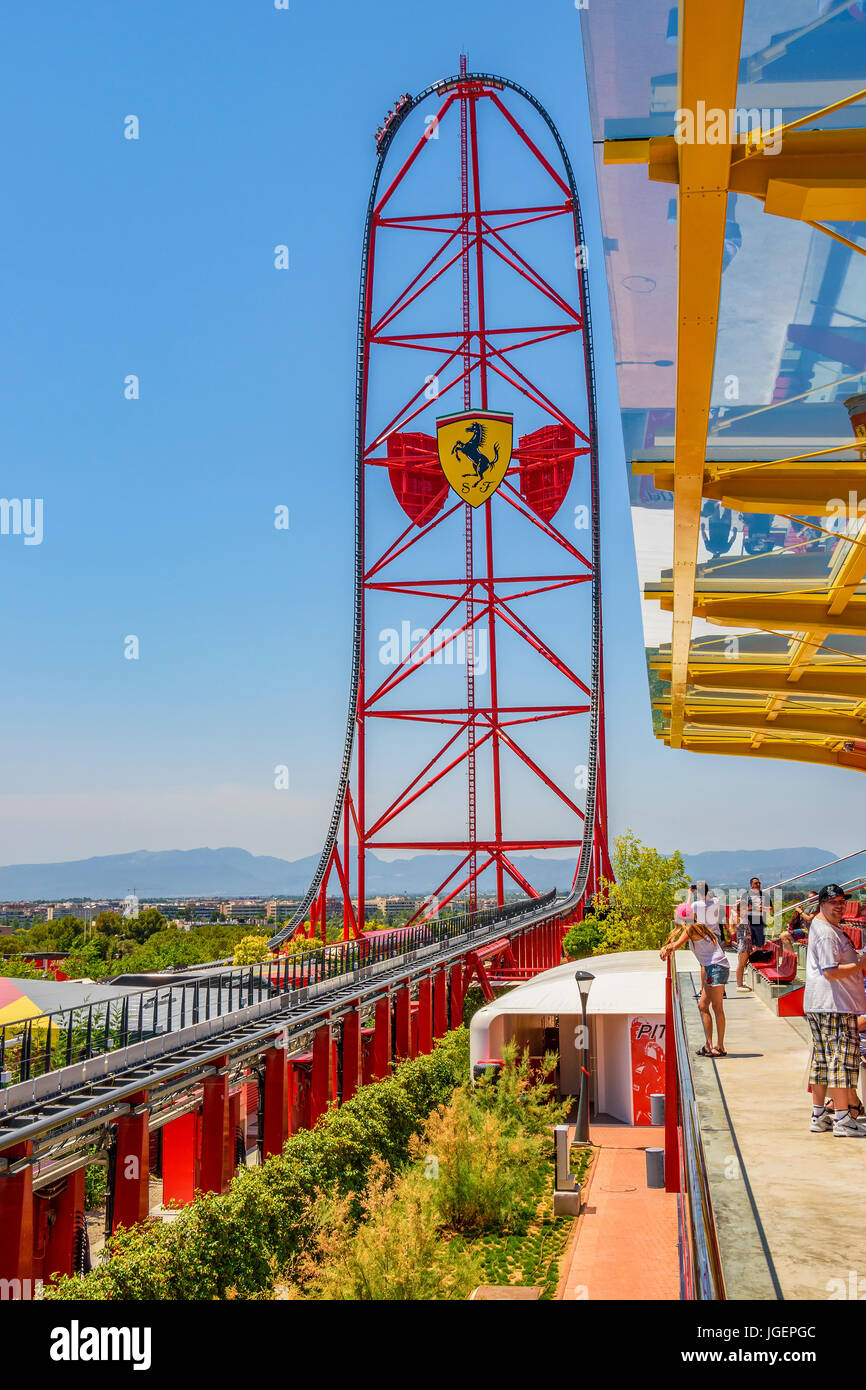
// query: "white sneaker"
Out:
[821,1123]
[849,1129]
[744,989]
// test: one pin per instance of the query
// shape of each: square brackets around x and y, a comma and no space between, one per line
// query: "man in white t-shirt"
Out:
[833,999]
[705,906]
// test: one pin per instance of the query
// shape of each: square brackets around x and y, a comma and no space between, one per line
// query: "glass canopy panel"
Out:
[791,342]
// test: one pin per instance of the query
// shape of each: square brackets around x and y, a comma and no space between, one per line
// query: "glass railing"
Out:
[701,1275]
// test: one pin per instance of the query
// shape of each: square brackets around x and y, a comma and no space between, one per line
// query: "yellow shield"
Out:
[475,451]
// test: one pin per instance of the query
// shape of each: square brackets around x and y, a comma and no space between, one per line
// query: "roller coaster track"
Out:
[582,872]
[122,1057]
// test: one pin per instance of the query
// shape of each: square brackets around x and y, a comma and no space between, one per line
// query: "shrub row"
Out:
[239,1242]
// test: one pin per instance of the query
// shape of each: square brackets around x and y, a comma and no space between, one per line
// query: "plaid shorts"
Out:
[835,1050]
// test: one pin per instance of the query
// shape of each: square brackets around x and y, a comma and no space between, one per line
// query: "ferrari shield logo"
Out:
[475,451]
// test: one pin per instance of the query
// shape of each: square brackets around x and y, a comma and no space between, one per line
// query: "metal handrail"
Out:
[817,869]
[853,883]
[42,1043]
[701,1260]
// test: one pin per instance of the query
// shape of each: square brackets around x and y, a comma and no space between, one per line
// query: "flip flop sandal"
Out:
[720,1052]
[705,1052]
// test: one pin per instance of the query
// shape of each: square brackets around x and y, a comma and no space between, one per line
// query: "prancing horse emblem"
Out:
[475,451]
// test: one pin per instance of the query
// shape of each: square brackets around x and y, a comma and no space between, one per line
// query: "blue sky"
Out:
[154,257]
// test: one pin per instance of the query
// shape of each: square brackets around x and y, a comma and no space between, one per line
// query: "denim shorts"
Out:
[717,974]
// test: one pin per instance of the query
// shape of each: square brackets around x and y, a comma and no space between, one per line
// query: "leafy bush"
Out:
[296,945]
[251,950]
[242,1239]
[582,939]
[95,1185]
[20,969]
[397,1252]
[482,1177]
[519,1099]
[634,912]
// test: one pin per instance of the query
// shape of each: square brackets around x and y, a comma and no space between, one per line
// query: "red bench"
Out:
[784,971]
[764,965]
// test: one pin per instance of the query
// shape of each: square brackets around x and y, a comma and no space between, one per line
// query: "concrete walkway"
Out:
[788,1203]
[626,1240]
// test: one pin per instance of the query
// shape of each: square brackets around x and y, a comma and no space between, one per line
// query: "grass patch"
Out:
[532,1258]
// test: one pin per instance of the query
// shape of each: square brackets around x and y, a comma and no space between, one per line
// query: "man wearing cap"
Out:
[833,999]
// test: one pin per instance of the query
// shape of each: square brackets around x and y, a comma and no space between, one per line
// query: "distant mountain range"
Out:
[236,873]
[732,868]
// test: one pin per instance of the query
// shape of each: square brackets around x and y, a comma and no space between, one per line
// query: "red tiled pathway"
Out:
[626,1243]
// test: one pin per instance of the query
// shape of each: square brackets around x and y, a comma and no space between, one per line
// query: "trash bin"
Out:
[655,1167]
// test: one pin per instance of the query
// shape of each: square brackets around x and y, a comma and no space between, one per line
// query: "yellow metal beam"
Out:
[792,613]
[806,487]
[791,722]
[822,160]
[817,200]
[626,151]
[737,677]
[710,36]
[789,749]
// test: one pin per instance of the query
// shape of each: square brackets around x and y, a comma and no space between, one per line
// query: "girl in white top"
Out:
[714,968]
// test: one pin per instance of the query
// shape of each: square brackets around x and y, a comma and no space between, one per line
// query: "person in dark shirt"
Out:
[717,531]
[754,906]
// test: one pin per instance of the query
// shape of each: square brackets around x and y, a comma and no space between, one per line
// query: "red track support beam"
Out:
[382,1040]
[368,1036]
[351,1054]
[276,1117]
[425,1015]
[217,1152]
[132,1167]
[320,1085]
[440,1004]
[180,1159]
[300,1080]
[403,1022]
[456,995]
[16,1222]
[68,1212]
[237,1121]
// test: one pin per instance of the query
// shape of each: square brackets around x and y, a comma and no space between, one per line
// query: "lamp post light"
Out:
[581,1130]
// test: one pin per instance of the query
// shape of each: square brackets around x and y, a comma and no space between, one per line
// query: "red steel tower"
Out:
[478,587]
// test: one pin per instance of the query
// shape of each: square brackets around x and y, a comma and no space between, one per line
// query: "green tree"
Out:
[250,950]
[20,969]
[634,912]
[583,938]
[149,921]
[59,935]
[110,924]
[162,950]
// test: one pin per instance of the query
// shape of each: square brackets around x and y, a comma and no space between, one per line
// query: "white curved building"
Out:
[626,1022]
